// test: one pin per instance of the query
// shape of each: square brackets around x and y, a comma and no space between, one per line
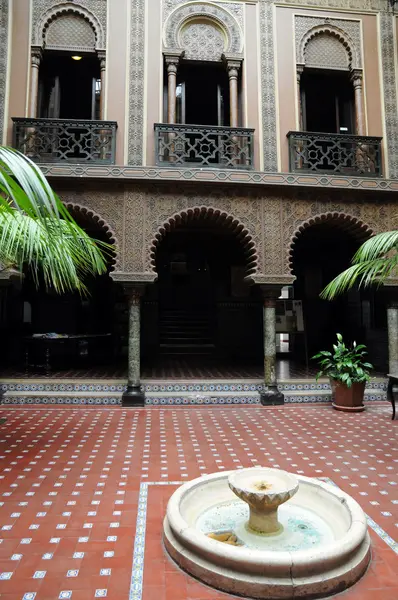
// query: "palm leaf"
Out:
[50,251]
[37,230]
[373,263]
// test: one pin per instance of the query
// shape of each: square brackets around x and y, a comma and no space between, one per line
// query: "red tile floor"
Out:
[83,491]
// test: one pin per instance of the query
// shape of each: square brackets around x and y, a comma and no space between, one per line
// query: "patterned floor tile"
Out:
[73,480]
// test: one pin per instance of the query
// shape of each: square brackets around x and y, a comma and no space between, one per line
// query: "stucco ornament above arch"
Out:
[74,207]
[79,13]
[332,59]
[202,13]
[213,216]
[341,220]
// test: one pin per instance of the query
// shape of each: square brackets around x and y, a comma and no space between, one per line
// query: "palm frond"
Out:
[364,274]
[58,251]
[377,246]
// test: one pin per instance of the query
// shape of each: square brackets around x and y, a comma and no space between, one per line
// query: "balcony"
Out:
[203,146]
[60,140]
[330,153]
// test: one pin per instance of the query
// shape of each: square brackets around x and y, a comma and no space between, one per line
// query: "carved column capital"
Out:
[172,59]
[299,71]
[134,294]
[102,58]
[36,56]
[270,295]
[357,78]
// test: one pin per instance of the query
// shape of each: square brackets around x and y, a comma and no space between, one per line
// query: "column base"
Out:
[133,396]
[272,397]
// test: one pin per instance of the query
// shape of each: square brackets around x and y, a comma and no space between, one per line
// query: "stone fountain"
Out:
[266,533]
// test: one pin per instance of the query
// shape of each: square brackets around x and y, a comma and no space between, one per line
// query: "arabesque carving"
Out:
[3,59]
[340,220]
[267,220]
[214,217]
[93,12]
[203,11]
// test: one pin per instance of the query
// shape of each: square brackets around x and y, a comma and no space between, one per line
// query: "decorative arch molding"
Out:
[342,221]
[98,220]
[216,217]
[214,14]
[327,29]
[69,9]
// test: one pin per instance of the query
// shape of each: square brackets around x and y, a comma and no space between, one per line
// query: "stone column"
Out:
[357,82]
[392,325]
[299,72]
[102,59]
[172,61]
[271,395]
[233,67]
[35,60]
[133,396]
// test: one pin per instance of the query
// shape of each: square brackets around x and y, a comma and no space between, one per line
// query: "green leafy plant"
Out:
[346,364]
[37,231]
[374,262]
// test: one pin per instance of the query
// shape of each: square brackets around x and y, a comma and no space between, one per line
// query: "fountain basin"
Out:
[331,553]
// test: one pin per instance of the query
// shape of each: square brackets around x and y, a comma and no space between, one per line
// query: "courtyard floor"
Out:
[83,491]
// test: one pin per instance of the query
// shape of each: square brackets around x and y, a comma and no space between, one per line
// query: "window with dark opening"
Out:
[69,89]
[327,100]
[202,94]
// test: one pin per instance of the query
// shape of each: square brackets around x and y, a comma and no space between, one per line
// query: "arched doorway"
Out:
[63,331]
[322,249]
[207,311]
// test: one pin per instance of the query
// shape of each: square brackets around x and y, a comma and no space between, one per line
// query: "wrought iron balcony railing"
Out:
[204,146]
[350,155]
[60,140]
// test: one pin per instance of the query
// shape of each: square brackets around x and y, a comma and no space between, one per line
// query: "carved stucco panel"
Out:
[39,7]
[235,8]
[352,29]
[137,77]
[375,215]
[162,204]
[3,60]
[109,205]
[268,86]
[180,17]
[390,91]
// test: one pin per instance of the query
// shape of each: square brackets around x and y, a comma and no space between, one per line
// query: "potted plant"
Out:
[348,371]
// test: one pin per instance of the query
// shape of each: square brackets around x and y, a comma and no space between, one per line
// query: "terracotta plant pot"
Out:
[349,399]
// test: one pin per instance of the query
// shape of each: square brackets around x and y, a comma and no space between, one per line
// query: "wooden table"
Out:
[46,352]
[392,380]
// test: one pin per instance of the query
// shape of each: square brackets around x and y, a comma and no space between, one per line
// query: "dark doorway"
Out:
[327,102]
[202,94]
[320,254]
[81,329]
[205,310]
[69,89]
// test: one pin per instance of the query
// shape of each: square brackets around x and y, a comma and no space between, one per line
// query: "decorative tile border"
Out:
[190,400]
[137,573]
[176,387]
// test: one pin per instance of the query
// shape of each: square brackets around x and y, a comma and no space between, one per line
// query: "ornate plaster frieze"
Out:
[137,78]
[218,176]
[179,27]
[235,8]
[268,101]
[3,60]
[389,58]
[335,34]
[45,11]
[267,221]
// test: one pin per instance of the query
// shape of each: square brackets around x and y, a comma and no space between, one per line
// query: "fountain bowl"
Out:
[258,570]
[264,490]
